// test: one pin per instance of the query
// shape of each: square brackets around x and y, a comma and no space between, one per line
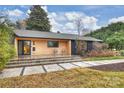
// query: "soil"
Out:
[110,67]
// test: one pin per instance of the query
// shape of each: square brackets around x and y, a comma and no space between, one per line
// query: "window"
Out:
[53,44]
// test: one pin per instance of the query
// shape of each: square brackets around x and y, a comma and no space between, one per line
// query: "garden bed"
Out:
[101,58]
[110,67]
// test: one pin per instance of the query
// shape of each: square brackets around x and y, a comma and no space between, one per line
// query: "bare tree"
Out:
[4,19]
[79,26]
[21,24]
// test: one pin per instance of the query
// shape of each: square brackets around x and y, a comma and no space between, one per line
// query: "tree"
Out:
[105,32]
[38,19]
[116,41]
[21,24]
[7,50]
[4,20]
[79,26]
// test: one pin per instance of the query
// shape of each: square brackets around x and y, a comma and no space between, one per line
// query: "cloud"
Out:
[28,11]
[15,12]
[60,21]
[69,26]
[44,8]
[117,19]
[71,16]
[65,21]
[14,15]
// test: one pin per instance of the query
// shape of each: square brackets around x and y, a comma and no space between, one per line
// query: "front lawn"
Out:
[70,78]
[102,58]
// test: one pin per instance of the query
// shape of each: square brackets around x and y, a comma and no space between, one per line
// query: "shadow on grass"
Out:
[118,67]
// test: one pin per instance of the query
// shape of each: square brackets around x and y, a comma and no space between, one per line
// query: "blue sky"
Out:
[61,15]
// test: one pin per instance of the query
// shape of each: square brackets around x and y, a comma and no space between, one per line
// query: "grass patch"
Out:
[67,79]
[102,58]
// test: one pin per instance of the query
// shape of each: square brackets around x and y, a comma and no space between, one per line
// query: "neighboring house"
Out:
[28,42]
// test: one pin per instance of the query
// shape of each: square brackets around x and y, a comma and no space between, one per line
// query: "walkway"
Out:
[13,72]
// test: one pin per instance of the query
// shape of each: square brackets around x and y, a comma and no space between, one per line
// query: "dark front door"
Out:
[73,47]
[24,47]
[89,45]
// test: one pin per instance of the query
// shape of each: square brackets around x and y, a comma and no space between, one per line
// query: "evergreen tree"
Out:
[38,19]
[113,34]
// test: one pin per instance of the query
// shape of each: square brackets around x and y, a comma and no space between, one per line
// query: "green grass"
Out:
[73,78]
[102,58]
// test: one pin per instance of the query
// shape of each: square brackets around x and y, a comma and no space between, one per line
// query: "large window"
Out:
[53,44]
[24,47]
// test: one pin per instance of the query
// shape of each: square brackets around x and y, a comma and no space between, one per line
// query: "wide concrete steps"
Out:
[42,61]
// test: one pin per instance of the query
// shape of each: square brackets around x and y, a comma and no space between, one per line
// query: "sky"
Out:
[62,17]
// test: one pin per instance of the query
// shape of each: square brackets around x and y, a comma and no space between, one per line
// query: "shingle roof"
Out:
[52,35]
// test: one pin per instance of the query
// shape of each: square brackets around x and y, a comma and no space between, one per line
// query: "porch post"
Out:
[16,46]
[69,47]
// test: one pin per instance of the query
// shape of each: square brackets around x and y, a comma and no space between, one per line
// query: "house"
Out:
[28,42]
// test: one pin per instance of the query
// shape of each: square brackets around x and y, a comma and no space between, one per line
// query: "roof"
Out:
[51,35]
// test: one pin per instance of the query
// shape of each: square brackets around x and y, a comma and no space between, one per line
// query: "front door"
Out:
[24,47]
[89,45]
[73,47]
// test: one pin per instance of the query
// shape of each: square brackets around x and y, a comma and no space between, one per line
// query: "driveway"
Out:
[13,72]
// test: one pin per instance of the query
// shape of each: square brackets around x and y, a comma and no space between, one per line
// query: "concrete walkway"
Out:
[13,72]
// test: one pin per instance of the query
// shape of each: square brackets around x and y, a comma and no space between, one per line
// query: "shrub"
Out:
[100,46]
[6,49]
[122,52]
[83,53]
[12,51]
[102,53]
[4,56]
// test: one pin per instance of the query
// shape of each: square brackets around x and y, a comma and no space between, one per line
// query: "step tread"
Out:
[53,59]
[21,59]
[41,63]
[45,58]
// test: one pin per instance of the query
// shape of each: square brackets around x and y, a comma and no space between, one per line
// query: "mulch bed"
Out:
[110,67]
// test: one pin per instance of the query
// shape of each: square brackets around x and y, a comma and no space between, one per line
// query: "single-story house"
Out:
[29,42]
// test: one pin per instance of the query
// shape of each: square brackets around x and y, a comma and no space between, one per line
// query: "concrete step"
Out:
[28,62]
[42,60]
[43,57]
[40,63]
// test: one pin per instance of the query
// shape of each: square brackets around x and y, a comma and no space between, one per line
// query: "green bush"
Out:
[7,51]
[12,51]
[4,55]
[122,52]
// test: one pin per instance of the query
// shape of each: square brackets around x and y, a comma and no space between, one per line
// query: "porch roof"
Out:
[52,35]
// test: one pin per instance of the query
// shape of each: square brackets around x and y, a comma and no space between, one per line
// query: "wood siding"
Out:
[41,47]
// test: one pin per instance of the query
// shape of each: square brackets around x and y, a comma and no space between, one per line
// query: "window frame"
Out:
[53,45]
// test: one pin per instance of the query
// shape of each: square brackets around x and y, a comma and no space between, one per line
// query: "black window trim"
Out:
[52,46]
